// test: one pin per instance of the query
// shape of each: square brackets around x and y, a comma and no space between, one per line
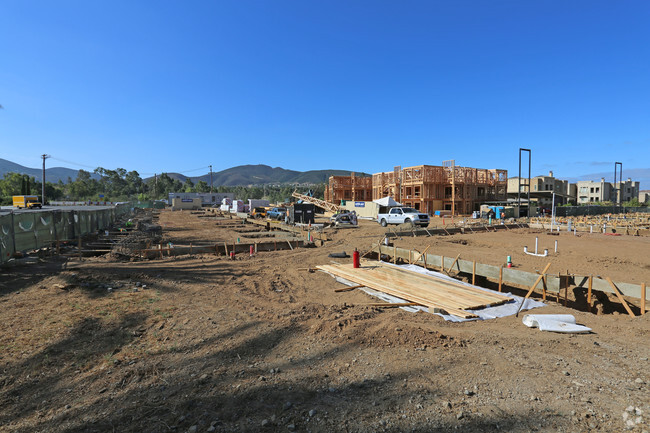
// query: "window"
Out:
[395,211]
[592,190]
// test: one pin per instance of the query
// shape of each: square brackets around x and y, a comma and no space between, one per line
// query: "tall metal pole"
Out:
[44,156]
[618,189]
[519,187]
[521,149]
[529,168]
[210,178]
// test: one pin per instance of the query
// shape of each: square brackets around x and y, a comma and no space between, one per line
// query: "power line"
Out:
[73,163]
[145,174]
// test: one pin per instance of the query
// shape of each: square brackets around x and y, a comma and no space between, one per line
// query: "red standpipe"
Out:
[355,258]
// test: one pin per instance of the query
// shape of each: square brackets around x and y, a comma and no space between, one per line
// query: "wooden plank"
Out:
[620,296]
[426,286]
[347,289]
[591,279]
[392,304]
[478,297]
[449,295]
[474,273]
[500,277]
[422,254]
[446,281]
[532,288]
[382,286]
[453,263]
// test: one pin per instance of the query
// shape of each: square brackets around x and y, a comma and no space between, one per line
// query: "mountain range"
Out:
[53,174]
[242,175]
[263,174]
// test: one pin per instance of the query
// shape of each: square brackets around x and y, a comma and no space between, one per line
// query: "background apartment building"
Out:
[619,192]
[644,196]
[542,189]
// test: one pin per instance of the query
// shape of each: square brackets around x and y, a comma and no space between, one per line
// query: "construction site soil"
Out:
[199,343]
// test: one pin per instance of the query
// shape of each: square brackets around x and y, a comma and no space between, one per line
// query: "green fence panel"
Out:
[7,247]
[44,228]
[24,231]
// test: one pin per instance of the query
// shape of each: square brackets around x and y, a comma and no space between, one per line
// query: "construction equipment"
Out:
[320,203]
[26,201]
[344,218]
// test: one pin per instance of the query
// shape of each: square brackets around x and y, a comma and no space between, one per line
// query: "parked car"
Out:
[401,215]
[277,213]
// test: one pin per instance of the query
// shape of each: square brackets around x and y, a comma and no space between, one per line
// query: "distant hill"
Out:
[241,175]
[262,174]
[53,174]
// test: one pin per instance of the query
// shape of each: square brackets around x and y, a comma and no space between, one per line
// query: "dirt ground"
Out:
[203,343]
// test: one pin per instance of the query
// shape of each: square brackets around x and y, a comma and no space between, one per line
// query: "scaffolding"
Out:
[427,188]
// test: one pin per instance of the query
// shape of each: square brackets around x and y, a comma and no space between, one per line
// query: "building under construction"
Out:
[427,188]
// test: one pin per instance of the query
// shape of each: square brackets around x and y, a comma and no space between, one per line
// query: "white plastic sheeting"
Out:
[507,309]
[565,323]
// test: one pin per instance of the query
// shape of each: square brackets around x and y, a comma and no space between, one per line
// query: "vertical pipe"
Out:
[536,238]
[643,295]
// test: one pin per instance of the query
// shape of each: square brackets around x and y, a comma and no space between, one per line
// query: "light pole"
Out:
[210,178]
[619,196]
[521,149]
[44,156]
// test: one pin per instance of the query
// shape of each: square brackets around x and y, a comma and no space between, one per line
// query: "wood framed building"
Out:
[427,188]
[353,188]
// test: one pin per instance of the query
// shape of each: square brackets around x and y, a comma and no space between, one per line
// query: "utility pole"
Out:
[155,185]
[44,156]
[210,178]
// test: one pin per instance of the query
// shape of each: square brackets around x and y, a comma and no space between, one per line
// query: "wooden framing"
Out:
[353,188]
[426,188]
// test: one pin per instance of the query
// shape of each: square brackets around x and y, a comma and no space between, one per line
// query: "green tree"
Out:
[201,186]
[632,203]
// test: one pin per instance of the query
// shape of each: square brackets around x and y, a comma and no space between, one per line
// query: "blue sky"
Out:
[359,85]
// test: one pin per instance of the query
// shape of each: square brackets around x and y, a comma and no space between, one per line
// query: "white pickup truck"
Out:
[400,215]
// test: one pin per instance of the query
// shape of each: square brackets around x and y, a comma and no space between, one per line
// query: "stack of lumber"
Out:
[438,294]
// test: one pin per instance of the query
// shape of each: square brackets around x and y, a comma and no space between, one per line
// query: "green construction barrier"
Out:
[25,231]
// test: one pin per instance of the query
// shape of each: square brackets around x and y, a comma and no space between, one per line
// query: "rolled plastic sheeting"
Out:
[564,323]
